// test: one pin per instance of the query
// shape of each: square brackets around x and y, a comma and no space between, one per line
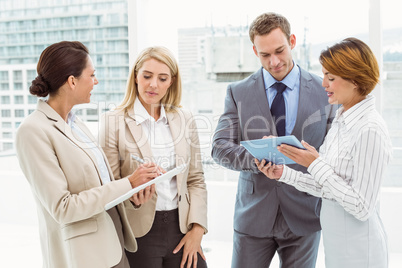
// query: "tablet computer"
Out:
[267,148]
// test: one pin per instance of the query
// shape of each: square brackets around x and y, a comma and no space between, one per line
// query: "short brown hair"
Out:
[267,22]
[353,60]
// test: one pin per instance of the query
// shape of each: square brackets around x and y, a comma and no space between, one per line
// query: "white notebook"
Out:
[166,176]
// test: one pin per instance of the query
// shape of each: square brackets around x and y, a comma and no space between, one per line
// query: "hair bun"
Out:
[39,87]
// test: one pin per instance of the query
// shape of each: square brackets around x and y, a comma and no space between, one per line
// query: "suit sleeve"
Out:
[195,180]
[40,164]
[226,149]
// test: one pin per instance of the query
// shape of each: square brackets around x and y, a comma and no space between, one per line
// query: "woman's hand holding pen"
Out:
[144,173]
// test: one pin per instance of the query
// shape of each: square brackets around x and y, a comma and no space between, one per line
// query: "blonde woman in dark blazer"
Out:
[150,124]
[69,175]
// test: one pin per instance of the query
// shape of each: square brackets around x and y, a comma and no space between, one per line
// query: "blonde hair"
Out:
[173,95]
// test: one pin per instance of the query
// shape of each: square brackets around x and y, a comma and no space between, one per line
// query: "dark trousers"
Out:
[155,249]
[293,251]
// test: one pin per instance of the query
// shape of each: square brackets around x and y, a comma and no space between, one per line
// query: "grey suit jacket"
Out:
[247,116]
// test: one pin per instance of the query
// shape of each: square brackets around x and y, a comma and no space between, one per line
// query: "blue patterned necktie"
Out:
[278,109]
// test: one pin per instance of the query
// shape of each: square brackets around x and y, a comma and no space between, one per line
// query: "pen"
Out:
[141,161]
[137,159]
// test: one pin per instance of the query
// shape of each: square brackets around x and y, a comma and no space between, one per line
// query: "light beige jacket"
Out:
[75,230]
[120,136]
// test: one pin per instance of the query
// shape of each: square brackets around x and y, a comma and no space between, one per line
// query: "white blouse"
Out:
[352,162]
[162,147]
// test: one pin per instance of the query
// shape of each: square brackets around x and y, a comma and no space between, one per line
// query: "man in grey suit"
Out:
[271,216]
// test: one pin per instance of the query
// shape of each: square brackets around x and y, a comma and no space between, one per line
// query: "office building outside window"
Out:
[28,27]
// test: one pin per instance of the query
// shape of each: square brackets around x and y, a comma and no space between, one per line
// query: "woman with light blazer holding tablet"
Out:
[69,175]
[149,124]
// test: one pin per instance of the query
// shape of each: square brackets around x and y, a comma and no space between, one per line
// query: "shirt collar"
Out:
[141,114]
[71,118]
[356,112]
[289,80]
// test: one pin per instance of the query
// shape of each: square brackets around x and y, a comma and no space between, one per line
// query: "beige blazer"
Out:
[120,136]
[75,230]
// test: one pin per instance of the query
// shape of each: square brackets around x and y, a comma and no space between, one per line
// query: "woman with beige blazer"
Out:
[69,175]
[149,124]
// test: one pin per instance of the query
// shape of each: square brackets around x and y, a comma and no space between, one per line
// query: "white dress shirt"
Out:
[352,161]
[162,147]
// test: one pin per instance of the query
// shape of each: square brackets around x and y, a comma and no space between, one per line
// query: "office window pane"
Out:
[3,76]
[92,112]
[7,146]
[17,76]
[31,75]
[82,34]
[5,100]
[32,99]
[18,99]
[82,21]
[17,86]
[13,51]
[19,113]
[4,86]
[5,113]
[7,135]
[26,50]
[6,124]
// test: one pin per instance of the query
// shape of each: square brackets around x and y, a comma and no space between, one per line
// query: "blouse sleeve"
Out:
[371,154]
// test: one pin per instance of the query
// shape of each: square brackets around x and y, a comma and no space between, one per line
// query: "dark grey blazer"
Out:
[247,116]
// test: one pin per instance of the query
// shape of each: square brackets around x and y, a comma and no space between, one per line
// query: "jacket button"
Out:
[179,198]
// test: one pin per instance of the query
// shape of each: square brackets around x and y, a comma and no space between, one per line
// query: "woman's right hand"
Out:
[144,173]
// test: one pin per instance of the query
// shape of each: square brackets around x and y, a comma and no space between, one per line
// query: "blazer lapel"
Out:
[64,128]
[140,139]
[306,102]
[177,127]
[258,89]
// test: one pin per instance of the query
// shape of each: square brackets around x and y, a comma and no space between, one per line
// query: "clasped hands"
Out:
[300,156]
[144,173]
